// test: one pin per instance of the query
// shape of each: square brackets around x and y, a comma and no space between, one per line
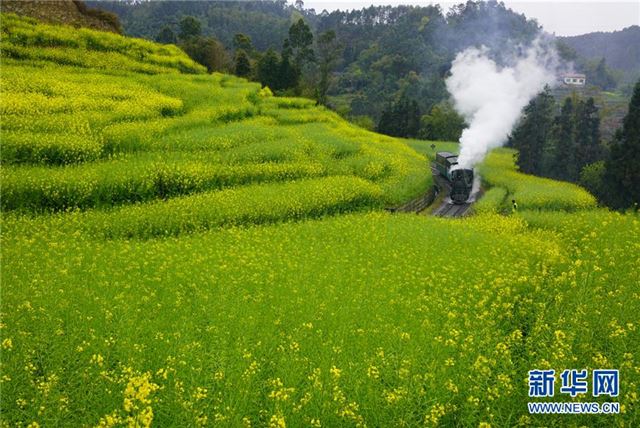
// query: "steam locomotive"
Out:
[461,179]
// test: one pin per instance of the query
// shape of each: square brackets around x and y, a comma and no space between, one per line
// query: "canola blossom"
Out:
[356,319]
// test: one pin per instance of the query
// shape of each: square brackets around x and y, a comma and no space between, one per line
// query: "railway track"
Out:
[448,208]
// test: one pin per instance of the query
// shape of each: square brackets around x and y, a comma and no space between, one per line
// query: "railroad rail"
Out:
[416,205]
[446,209]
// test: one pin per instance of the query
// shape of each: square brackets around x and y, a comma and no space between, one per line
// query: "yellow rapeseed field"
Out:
[184,249]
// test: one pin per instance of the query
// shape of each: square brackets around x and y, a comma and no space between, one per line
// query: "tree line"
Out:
[302,66]
[566,145]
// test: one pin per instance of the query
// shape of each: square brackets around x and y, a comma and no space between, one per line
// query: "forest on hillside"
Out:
[621,49]
[373,64]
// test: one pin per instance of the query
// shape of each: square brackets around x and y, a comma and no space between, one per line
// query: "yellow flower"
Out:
[335,372]
[373,372]
[277,421]
[97,359]
[201,420]
[200,393]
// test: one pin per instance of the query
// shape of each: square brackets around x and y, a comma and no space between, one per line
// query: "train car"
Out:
[461,179]
[445,162]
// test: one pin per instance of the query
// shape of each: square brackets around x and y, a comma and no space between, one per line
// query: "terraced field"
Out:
[122,124]
[183,249]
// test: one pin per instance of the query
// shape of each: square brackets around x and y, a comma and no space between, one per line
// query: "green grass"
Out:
[424,147]
[183,249]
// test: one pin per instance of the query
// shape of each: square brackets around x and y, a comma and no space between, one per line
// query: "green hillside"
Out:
[96,120]
[185,249]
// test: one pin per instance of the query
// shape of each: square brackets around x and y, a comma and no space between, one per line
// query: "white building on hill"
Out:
[574,79]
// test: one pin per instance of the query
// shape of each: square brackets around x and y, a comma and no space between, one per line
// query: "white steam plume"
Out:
[490,97]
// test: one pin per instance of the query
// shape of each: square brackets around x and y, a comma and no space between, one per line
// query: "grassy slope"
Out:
[94,120]
[350,320]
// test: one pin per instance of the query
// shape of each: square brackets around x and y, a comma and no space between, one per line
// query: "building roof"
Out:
[575,75]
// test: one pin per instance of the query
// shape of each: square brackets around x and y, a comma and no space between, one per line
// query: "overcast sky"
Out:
[564,18]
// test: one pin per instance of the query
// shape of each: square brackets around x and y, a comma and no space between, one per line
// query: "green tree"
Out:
[413,119]
[592,179]
[300,42]
[329,50]
[189,27]
[622,170]
[268,69]
[562,163]
[601,76]
[242,42]
[242,64]
[588,149]
[387,125]
[531,134]
[401,119]
[166,36]
[288,74]
[206,51]
[442,123]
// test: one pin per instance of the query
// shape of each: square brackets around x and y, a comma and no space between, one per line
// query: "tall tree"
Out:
[442,123]
[301,43]
[206,51]
[562,162]
[622,170]
[288,72]
[386,124]
[532,132]
[242,42]
[413,119]
[189,27]
[401,119]
[268,69]
[600,76]
[166,36]
[329,50]
[242,64]
[588,149]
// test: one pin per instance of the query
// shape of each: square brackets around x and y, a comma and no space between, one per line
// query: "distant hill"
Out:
[69,12]
[621,49]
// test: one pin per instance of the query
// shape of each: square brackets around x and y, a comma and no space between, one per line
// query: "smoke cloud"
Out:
[491,97]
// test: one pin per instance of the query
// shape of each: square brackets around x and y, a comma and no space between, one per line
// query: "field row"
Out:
[531,192]
[28,39]
[121,182]
[239,206]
